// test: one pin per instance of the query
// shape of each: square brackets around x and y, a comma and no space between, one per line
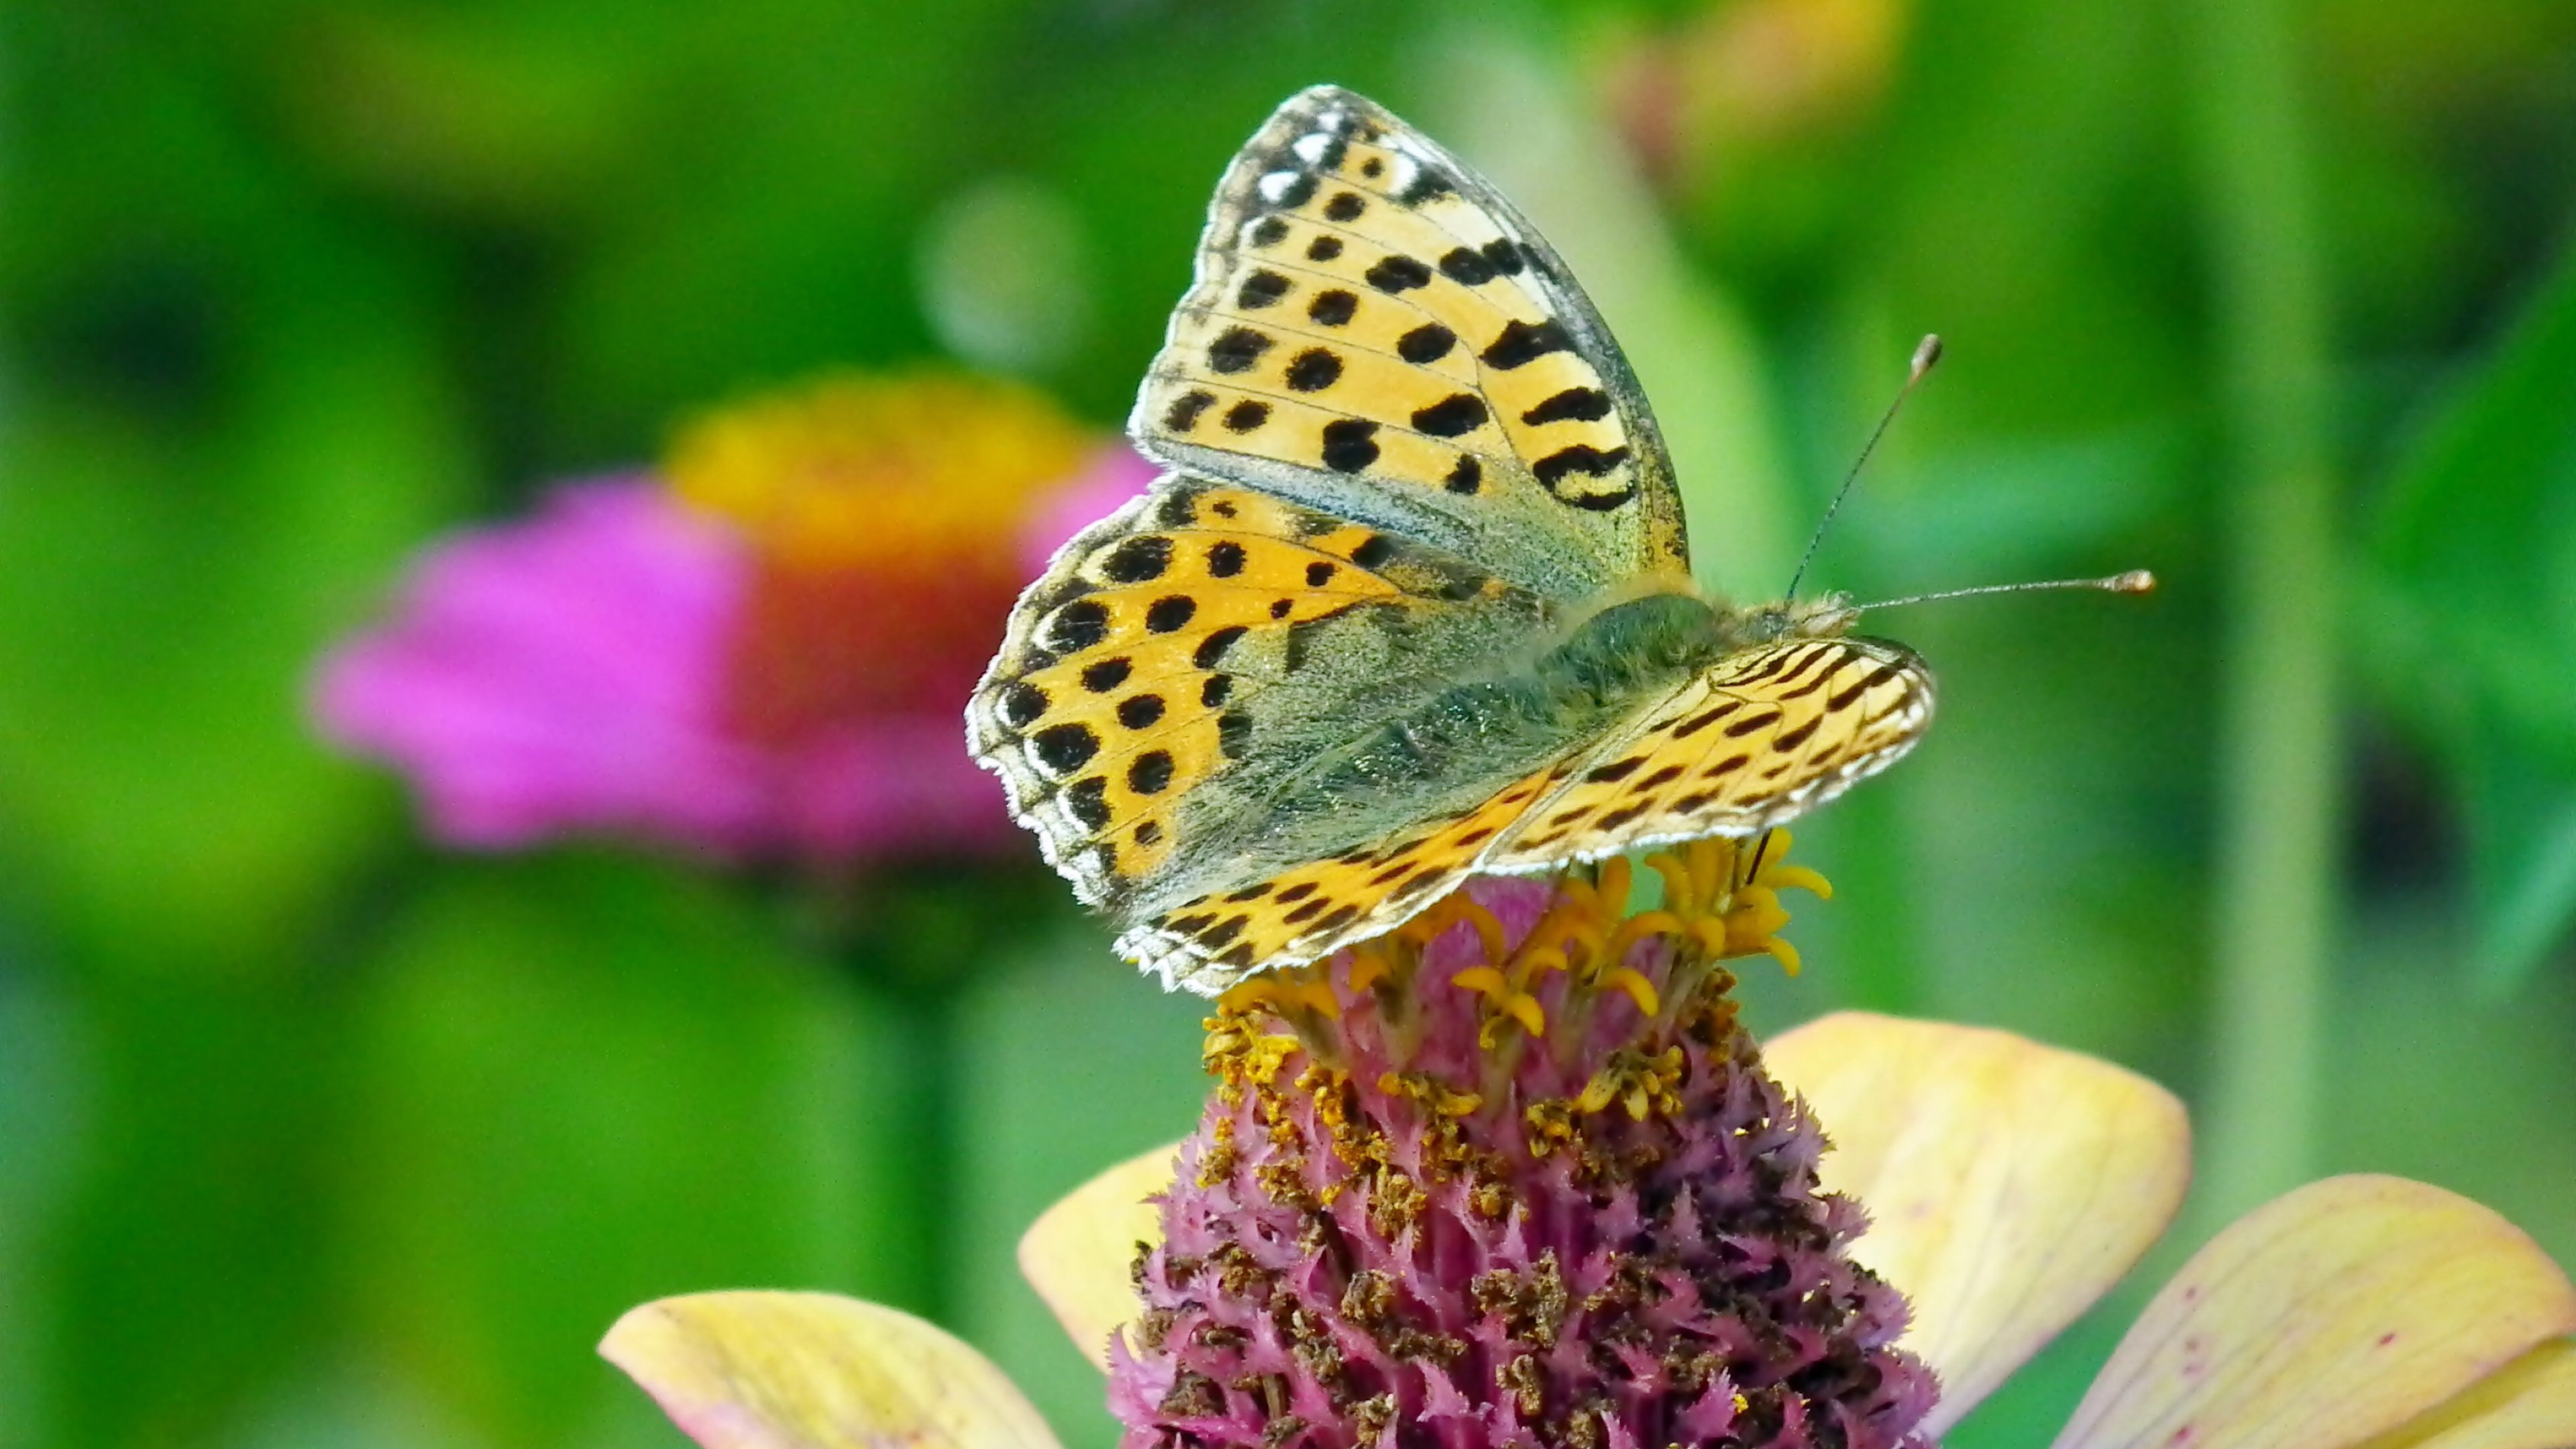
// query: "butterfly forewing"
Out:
[1184,658]
[1375,330]
[1763,737]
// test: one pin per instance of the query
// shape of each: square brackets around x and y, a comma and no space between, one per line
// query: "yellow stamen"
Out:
[1781,877]
[1786,953]
[1681,893]
[1531,965]
[1639,989]
[1711,861]
[1637,928]
[1616,878]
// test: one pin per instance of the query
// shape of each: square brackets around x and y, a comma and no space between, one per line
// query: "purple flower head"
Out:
[1515,1175]
[759,653]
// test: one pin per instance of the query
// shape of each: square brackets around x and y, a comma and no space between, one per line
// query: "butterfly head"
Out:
[1823,617]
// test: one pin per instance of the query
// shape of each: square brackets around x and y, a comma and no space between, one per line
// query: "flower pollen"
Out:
[1513,1173]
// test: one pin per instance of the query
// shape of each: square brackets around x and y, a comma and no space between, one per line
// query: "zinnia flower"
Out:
[1515,1174]
[757,652]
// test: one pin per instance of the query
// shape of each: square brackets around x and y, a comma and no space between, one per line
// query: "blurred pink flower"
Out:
[762,653]
[1116,474]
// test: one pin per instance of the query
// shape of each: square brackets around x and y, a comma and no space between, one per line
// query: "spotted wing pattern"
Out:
[1210,943]
[1302,688]
[1132,673]
[1764,736]
[1375,330]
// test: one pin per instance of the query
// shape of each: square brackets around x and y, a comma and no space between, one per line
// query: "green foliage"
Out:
[310,1135]
[2475,624]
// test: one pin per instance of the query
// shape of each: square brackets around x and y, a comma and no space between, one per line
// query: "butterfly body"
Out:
[1414,599]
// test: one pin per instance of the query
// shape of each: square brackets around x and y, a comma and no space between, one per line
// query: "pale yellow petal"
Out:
[814,1371]
[2529,1404]
[2324,1317]
[1079,1253]
[2009,1184]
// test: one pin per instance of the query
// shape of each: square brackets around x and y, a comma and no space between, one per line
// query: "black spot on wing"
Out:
[1183,414]
[1426,344]
[1345,206]
[1314,370]
[1088,799]
[1107,675]
[1581,458]
[1022,703]
[1138,559]
[1150,773]
[1225,559]
[1350,444]
[1323,248]
[1170,612]
[1236,349]
[1212,648]
[1705,718]
[1467,477]
[1246,416]
[1788,740]
[1575,404]
[1397,273]
[1263,288]
[1078,626]
[1842,698]
[1455,414]
[1622,816]
[1333,308]
[1467,266]
[1428,183]
[1521,343]
[1065,748]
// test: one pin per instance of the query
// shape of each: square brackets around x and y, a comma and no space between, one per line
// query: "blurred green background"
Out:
[312,1134]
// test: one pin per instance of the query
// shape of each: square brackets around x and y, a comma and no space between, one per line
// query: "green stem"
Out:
[925,1144]
[915,940]
[2280,750]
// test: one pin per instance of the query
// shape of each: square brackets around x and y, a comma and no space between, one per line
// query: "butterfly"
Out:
[1413,600]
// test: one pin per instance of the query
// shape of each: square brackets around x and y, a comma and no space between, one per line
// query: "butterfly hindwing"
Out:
[1376,331]
[1212,941]
[1763,736]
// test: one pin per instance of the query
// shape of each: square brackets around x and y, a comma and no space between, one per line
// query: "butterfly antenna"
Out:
[2135,581]
[1926,353]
